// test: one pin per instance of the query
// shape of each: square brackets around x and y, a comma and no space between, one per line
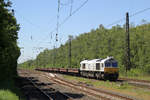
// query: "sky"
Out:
[38,20]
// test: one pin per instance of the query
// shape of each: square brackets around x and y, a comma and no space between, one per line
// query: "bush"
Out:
[135,72]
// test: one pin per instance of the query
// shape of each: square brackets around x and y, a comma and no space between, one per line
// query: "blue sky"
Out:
[38,18]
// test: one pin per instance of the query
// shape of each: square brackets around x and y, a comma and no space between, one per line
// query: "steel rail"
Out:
[138,83]
[136,80]
[100,91]
[86,89]
[50,98]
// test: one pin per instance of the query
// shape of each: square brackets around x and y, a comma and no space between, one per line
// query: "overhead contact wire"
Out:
[134,14]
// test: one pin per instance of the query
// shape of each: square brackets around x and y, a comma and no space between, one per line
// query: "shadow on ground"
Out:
[9,87]
[75,95]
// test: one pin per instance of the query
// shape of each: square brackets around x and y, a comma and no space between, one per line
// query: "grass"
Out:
[8,95]
[123,88]
[8,91]
[98,83]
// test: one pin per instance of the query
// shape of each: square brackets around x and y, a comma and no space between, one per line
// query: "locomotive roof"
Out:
[98,60]
[91,61]
[108,59]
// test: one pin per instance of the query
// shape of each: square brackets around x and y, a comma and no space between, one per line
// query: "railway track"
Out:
[44,89]
[136,82]
[30,90]
[97,93]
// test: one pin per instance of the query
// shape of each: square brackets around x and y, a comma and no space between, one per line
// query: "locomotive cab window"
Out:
[114,64]
[83,66]
[97,66]
[107,64]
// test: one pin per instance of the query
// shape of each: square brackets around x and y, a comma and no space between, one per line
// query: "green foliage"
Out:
[9,51]
[135,72]
[8,91]
[7,95]
[100,43]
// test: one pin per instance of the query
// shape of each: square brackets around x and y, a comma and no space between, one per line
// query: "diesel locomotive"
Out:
[106,69]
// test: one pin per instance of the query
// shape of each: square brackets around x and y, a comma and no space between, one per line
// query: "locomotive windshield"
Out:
[108,64]
[111,64]
[114,64]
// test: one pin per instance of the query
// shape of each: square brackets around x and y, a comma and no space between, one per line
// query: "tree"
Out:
[9,51]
